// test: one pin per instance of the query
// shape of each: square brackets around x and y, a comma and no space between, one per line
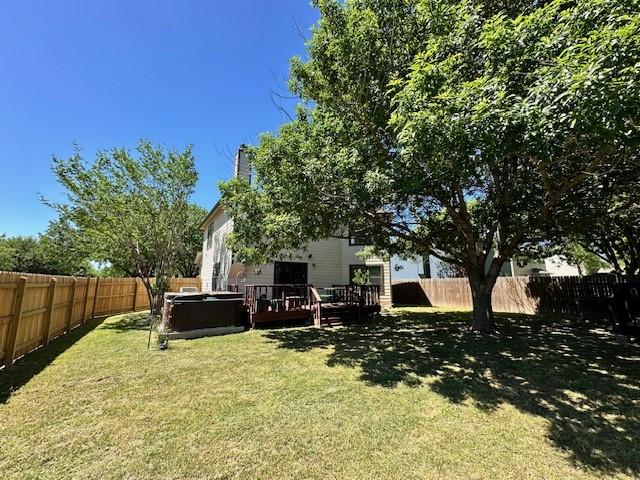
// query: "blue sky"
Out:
[107,73]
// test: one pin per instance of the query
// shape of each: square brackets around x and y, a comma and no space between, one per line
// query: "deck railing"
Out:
[363,295]
[356,298]
[277,297]
[271,302]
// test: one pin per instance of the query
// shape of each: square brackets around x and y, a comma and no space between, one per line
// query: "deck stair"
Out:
[350,304]
[337,314]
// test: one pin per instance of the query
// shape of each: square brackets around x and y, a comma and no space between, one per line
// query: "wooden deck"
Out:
[288,303]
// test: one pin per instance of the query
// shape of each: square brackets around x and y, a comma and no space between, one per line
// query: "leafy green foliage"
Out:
[185,264]
[67,249]
[453,129]
[133,210]
[6,254]
[587,262]
[19,254]
[608,209]
[43,254]
[361,276]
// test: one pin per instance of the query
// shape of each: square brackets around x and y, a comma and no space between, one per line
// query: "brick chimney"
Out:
[242,167]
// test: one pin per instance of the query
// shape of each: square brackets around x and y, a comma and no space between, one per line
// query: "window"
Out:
[214,276]
[374,272]
[294,273]
[358,240]
[426,268]
[209,236]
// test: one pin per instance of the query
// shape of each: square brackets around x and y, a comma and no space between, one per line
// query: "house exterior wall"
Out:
[217,253]
[529,268]
[349,257]
[557,266]
[328,262]
[553,266]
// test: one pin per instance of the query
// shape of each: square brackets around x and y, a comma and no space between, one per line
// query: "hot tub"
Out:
[205,311]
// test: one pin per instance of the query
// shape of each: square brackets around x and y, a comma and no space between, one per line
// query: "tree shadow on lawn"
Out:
[33,363]
[129,322]
[583,382]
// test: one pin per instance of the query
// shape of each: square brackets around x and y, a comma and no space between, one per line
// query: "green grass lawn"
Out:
[413,395]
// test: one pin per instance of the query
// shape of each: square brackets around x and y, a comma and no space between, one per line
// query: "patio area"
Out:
[270,303]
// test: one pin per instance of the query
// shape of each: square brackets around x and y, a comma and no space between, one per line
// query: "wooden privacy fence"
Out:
[584,296]
[34,309]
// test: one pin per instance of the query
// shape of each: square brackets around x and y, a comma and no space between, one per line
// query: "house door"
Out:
[290,273]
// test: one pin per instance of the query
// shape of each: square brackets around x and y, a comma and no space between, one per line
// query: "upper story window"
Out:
[209,237]
[359,240]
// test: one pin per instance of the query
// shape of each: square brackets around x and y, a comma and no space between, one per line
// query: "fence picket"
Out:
[30,317]
[46,329]
[16,316]
[587,297]
[72,298]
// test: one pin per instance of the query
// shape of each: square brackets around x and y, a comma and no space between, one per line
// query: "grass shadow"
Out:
[579,379]
[33,363]
[129,322]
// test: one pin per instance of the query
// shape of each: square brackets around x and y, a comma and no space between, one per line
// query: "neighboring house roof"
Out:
[207,220]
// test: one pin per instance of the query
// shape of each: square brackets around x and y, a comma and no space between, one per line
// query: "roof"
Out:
[217,207]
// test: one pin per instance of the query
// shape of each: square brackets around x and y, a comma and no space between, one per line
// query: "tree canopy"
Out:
[446,128]
[132,209]
[185,264]
[608,209]
[51,253]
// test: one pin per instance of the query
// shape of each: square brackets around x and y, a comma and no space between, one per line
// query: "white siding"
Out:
[328,262]
[558,266]
[554,266]
[218,253]
[349,257]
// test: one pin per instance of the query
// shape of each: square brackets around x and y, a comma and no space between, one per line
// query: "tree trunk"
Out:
[149,289]
[161,286]
[631,271]
[158,303]
[481,291]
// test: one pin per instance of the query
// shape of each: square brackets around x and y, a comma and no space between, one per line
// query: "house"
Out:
[409,269]
[324,264]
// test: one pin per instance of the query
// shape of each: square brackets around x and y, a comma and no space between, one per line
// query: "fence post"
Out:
[95,298]
[86,297]
[72,299]
[16,316]
[135,295]
[47,318]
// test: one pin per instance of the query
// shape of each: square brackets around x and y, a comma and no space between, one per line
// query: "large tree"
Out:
[444,128]
[185,263]
[133,209]
[607,210]
[21,254]
[68,252]
[53,252]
